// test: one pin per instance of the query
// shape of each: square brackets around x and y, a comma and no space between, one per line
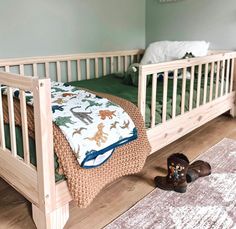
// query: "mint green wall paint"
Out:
[50,27]
[211,20]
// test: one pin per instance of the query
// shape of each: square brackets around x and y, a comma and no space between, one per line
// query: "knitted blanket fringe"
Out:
[85,184]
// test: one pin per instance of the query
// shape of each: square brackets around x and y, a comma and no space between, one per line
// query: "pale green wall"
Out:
[50,27]
[211,20]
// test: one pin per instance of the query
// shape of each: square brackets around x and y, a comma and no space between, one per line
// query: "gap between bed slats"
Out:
[12,125]
[2,132]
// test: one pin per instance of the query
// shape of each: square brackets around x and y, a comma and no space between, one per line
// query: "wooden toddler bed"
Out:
[210,93]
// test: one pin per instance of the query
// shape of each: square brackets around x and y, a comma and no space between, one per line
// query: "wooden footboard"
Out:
[216,72]
[37,184]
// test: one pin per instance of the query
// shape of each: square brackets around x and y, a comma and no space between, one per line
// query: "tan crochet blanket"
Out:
[85,184]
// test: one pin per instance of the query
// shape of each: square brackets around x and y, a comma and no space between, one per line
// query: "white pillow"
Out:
[163,51]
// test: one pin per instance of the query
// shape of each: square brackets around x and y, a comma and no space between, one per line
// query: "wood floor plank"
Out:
[119,196]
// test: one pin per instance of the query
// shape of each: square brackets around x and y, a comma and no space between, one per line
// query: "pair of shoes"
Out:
[180,172]
[198,169]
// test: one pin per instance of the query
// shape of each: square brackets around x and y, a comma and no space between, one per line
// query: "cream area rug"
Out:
[209,202]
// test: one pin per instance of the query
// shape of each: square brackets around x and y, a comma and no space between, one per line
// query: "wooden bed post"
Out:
[142,91]
[46,215]
[233,110]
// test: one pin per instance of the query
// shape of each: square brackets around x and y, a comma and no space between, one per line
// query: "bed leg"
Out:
[233,108]
[233,112]
[233,87]
[53,220]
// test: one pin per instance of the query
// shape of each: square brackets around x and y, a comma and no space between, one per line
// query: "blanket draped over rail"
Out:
[85,184]
[93,126]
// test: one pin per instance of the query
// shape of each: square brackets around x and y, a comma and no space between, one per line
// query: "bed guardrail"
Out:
[73,67]
[210,93]
[216,70]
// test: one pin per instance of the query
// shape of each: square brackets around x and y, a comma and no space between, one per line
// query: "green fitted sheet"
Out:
[113,84]
[20,151]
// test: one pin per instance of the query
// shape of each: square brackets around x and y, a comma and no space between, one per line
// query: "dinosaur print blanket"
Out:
[93,126]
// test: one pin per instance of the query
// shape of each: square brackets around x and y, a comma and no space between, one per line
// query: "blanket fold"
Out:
[93,126]
[85,184]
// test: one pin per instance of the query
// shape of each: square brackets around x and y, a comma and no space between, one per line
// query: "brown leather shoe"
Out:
[176,179]
[198,169]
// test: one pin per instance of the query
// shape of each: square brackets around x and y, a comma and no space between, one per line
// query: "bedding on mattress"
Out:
[113,84]
[93,126]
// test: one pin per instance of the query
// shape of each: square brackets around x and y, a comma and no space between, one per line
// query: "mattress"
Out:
[32,149]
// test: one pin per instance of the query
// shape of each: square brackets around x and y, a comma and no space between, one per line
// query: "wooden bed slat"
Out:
[217,80]
[104,65]
[96,67]
[69,73]
[205,83]
[199,85]
[165,90]
[227,77]
[47,70]
[11,121]
[87,69]
[35,69]
[212,80]
[22,70]
[154,95]
[59,71]
[232,75]
[174,93]
[119,64]
[2,132]
[142,92]
[126,63]
[7,68]
[183,91]
[24,126]
[222,78]
[78,70]
[112,64]
[191,88]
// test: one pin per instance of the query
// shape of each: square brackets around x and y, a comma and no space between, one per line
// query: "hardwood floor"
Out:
[15,211]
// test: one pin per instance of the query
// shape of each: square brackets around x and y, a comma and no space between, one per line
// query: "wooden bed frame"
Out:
[50,200]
